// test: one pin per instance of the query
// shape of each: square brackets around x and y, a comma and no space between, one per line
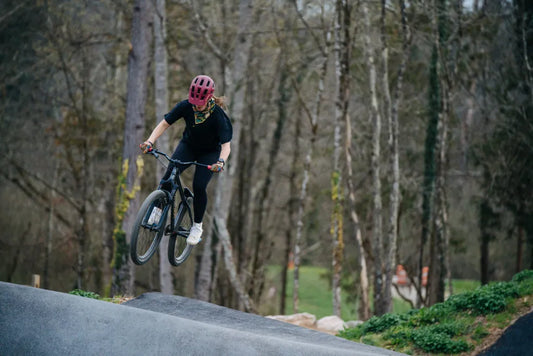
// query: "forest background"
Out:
[367,134]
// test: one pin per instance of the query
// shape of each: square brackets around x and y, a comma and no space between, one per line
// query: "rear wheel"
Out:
[178,249]
[147,231]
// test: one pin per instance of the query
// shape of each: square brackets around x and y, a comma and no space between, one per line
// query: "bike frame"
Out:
[177,187]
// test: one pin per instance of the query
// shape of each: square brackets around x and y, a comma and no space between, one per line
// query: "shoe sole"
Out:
[188,243]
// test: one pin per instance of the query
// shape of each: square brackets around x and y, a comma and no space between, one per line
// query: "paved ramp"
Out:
[516,340]
[40,322]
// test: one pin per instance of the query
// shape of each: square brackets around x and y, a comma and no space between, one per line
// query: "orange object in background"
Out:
[291,262]
[425,272]
[401,275]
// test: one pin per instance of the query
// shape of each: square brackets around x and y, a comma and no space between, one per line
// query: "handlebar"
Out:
[155,152]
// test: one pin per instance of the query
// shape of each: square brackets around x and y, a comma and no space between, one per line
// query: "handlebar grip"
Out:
[209,167]
[148,150]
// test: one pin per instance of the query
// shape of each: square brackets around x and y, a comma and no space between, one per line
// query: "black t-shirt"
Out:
[208,135]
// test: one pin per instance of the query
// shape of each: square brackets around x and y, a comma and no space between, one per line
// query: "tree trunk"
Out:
[389,256]
[291,214]
[83,231]
[305,181]
[429,158]
[208,267]
[488,219]
[519,249]
[263,198]
[342,51]
[50,231]
[445,73]
[392,108]
[161,108]
[226,180]
[313,118]
[379,306]
[138,66]
[438,253]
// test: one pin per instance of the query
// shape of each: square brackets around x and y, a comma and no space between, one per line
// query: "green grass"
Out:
[315,294]
[464,285]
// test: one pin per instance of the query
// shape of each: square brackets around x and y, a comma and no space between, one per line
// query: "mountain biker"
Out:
[206,139]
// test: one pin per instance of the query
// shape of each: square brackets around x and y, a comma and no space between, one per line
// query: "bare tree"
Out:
[391,110]
[323,46]
[235,81]
[161,108]
[342,49]
[138,66]
[377,237]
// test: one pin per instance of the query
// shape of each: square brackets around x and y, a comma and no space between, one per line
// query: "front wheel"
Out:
[149,227]
[178,249]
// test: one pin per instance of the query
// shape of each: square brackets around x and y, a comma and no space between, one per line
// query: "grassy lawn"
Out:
[464,285]
[316,297]
[315,293]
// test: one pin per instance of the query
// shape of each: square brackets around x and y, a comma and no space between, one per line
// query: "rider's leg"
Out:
[183,153]
[202,176]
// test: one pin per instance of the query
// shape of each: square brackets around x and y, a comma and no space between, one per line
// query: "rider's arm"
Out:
[225,151]
[158,131]
[224,154]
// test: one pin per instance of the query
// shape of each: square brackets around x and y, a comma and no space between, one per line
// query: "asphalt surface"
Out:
[41,322]
[517,340]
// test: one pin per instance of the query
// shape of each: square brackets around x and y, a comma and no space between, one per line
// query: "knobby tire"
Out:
[142,236]
[178,249]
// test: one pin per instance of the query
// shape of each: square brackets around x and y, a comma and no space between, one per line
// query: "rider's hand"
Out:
[146,146]
[217,167]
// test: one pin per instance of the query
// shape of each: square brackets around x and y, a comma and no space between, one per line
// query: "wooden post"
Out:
[36,281]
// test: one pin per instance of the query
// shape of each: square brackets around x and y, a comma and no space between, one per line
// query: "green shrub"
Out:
[523,276]
[430,340]
[443,327]
[485,300]
[524,280]
[379,324]
[451,329]
[505,289]
[460,302]
[352,333]
[525,288]
[431,315]
[399,336]
[85,294]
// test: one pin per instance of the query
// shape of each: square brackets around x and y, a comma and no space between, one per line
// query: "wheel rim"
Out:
[147,242]
[181,249]
[149,235]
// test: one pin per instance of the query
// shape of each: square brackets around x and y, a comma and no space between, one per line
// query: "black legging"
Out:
[202,175]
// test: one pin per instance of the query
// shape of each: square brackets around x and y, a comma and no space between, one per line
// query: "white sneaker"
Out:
[155,216]
[195,235]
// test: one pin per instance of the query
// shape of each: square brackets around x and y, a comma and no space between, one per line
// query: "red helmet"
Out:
[201,90]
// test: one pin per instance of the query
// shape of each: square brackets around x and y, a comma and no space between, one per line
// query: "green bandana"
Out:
[201,116]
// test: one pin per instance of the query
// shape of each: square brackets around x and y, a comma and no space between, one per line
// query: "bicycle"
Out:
[150,223]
